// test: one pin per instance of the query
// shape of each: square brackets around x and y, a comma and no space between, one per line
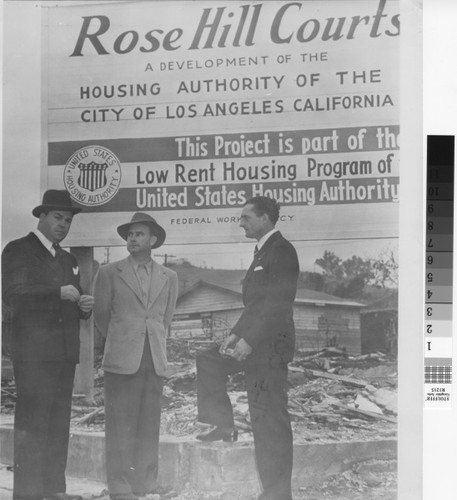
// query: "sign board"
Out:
[187,109]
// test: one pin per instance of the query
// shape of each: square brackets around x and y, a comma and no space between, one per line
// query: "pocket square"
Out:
[258,268]
[76,270]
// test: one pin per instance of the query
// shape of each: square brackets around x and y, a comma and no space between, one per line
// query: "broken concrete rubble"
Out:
[355,398]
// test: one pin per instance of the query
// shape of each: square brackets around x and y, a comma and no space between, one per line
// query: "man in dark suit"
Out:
[41,287]
[261,344]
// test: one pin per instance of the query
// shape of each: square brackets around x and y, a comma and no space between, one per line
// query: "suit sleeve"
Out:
[272,313]
[102,300]
[172,297]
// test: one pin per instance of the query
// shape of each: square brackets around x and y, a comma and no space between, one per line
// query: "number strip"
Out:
[439,251]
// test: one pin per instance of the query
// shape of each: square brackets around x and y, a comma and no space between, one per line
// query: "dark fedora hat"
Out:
[142,218]
[56,199]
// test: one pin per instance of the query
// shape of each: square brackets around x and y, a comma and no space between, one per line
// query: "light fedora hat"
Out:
[56,199]
[142,218]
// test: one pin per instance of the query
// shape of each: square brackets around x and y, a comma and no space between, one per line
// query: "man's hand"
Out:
[86,303]
[69,292]
[228,345]
[241,351]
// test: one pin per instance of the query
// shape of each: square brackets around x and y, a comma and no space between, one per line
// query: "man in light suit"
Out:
[135,298]
[41,288]
[261,344]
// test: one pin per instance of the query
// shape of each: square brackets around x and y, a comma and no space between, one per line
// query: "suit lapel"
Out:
[158,280]
[127,274]
[257,261]
[43,254]
[263,251]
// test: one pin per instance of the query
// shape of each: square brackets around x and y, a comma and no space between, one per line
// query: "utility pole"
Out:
[165,256]
[84,379]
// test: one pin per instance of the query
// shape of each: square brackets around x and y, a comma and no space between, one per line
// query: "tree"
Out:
[356,267]
[331,265]
[385,269]
[348,278]
[351,288]
[312,281]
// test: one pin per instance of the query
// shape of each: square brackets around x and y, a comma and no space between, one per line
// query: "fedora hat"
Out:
[56,199]
[142,218]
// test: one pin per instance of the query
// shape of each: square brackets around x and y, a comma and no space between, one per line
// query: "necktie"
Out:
[58,250]
[58,254]
[256,251]
[144,281]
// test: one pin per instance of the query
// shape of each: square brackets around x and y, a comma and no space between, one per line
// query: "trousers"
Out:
[266,387]
[41,427]
[132,426]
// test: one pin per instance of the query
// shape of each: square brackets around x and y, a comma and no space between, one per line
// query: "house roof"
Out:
[233,289]
[189,275]
[303,296]
[311,296]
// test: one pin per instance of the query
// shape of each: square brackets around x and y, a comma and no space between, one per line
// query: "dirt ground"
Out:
[376,481]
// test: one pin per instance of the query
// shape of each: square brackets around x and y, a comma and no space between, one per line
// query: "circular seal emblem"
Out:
[92,175]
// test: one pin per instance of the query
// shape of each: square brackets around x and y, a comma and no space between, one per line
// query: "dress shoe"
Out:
[219,434]
[63,496]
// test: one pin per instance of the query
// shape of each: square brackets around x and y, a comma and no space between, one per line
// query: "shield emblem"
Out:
[92,176]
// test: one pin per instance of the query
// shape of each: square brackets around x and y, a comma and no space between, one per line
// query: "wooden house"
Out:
[209,310]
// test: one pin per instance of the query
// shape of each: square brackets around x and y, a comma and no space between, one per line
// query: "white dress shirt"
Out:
[46,243]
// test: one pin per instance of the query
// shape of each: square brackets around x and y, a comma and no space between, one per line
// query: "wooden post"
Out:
[84,379]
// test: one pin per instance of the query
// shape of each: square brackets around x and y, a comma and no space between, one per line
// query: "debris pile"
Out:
[332,396]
